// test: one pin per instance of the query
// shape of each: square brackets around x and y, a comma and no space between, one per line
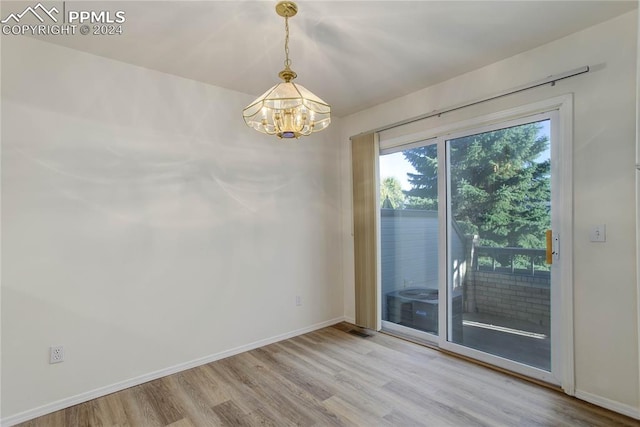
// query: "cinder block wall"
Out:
[510,295]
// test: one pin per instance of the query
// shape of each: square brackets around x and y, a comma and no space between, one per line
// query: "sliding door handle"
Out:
[553,246]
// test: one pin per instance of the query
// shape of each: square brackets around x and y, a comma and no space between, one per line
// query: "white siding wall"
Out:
[409,250]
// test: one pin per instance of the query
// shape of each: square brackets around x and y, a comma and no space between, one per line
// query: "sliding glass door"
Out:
[465,260]
[409,228]
[498,212]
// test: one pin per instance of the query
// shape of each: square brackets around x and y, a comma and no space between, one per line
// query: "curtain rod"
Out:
[548,80]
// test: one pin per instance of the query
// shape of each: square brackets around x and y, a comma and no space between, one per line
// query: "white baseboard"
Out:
[350,320]
[103,391]
[612,405]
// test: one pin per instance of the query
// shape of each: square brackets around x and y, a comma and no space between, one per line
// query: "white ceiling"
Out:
[353,54]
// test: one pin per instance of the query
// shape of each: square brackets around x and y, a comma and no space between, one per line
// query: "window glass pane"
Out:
[499,210]
[409,237]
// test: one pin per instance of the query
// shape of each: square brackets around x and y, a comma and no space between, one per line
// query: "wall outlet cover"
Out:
[56,354]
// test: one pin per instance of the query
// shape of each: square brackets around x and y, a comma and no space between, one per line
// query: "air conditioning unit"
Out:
[417,308]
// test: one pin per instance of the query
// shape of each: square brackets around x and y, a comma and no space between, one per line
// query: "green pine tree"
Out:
[498,189]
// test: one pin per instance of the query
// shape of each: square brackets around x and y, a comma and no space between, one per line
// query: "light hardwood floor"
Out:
[331,377]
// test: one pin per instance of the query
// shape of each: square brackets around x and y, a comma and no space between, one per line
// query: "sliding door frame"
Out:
[562,170]
[394,327]
[445,339]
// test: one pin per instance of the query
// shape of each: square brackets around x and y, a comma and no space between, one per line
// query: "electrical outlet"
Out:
[298,300]
[56,354]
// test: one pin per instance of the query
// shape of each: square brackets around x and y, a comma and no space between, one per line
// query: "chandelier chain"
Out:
[287,61]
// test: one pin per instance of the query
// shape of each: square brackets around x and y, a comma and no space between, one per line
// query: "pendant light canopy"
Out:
[287,110]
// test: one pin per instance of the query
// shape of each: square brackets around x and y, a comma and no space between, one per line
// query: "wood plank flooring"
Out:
[333,378]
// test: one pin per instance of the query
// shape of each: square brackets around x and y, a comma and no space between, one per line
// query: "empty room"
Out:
[360,213]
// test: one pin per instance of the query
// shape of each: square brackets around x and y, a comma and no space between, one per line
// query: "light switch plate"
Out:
[599,233]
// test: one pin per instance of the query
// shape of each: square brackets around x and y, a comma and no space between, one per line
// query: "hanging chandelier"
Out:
[287,110]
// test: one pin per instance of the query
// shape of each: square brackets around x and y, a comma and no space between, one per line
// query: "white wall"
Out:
[145,226]
[605,300]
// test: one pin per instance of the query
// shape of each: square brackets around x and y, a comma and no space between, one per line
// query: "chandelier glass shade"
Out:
[287,110]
